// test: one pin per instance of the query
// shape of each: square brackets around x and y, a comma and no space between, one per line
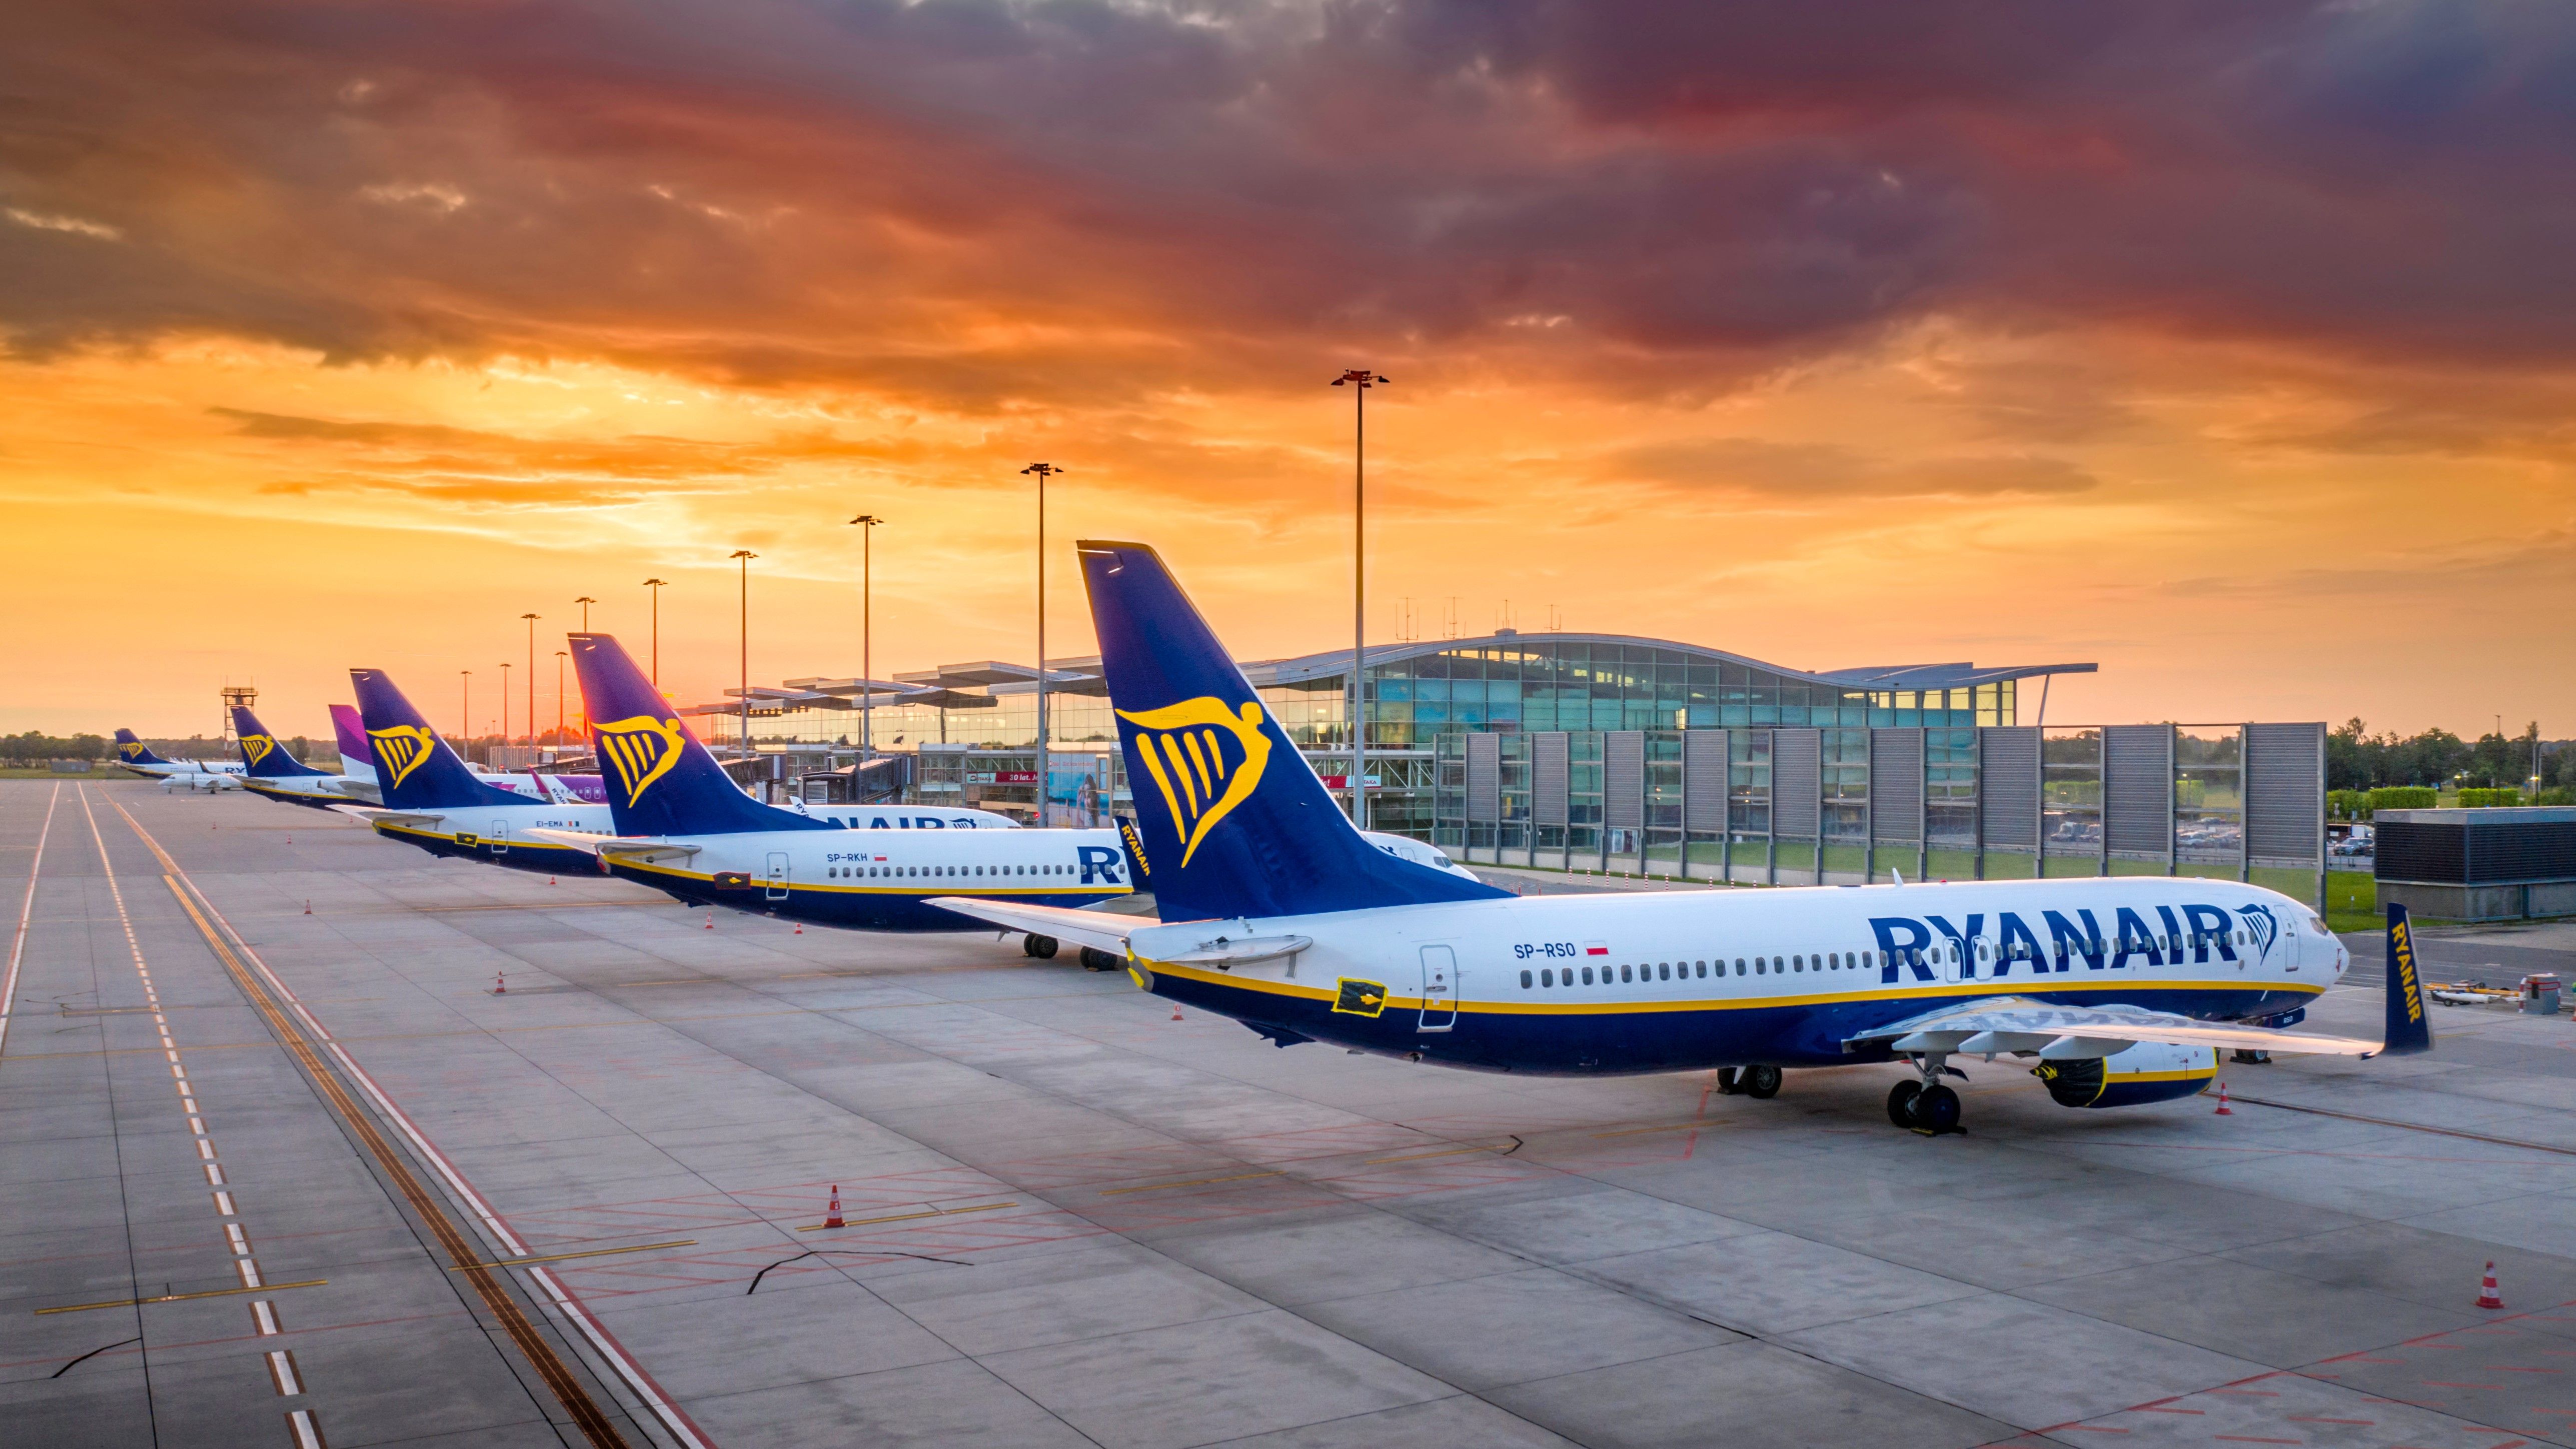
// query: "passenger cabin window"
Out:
[1547,977]
[1587,974]
[1525,981]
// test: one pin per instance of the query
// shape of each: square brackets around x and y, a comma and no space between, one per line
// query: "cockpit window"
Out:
[2317,924]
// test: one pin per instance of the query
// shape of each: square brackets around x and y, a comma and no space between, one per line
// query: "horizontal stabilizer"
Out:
[2011,1023]
[1099,929]
[406,819]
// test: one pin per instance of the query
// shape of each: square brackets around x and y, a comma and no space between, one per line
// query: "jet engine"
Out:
[2145,1072]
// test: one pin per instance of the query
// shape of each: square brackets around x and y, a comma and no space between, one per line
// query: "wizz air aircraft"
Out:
[357,761]
[1276,912]
[267,769]
[431,800]
[133,754]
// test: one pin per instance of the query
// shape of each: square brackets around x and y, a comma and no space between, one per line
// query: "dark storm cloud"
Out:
[989,203]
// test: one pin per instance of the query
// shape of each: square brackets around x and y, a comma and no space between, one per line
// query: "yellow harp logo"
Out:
[255,748]
[640,750]
[401,748]
[1184,747]
[131,750]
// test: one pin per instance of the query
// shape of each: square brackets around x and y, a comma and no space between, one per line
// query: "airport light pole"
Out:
[1360,380]
[745,556]
[560,657]
[585,601]
[501,727]
[867,524]
[532,681]
[657,585]
[465,713]
[1043,471]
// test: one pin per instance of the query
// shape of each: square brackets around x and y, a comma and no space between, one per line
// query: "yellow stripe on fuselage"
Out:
[1607,1008]
[924,889]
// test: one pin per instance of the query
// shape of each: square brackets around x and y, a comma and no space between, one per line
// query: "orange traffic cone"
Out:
[500,984]
[308,907]
[832,1214]
[2223,1109]
[1176,1011]
[290,840]
[800,928]
[2487,1295]
[550,880]
[711,920]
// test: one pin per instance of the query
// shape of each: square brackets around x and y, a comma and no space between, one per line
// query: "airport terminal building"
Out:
[1618,753]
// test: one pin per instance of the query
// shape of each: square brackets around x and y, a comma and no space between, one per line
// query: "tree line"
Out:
[2359,760]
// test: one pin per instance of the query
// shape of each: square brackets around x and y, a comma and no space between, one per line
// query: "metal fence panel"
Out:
[1896,784]
[2137,789]
[2284,793]
[1548,774]
[1704,780]
[1797,781]
[1623,785]
[2008,786]
[1484,778]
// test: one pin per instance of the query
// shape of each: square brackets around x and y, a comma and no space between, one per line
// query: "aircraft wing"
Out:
[1100,929]
[619,847]
[2060,1033]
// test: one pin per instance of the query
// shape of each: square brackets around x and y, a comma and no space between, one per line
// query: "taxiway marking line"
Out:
[1193,1182]
[18,946]
[181,1297]
[673,1417]
[906,1217]
[559,1257]
[2412,1126]
[576,1400]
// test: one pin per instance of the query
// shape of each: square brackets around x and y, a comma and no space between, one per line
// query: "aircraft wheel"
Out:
[1095,959]
[1042,947]
[1936,1111]
[1900,1102]
[1760,1083]
[1727,1086]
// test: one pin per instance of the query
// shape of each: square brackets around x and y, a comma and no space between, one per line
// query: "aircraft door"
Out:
[1439,988]
[777,875]
[498,837]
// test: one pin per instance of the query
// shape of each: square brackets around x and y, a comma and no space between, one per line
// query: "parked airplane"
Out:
[133,754]
[357,761]
[433,801]
[1276,912]
[267,769]
[684,827]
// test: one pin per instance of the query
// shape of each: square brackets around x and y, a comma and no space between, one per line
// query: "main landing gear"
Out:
[1760,1083]
[1926,1106]
[1042,947]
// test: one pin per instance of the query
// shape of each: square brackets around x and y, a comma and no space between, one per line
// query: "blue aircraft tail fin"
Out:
[415,770]
[1238,821]
[660,780]
[2410,1026]
[260,751]
[132,751]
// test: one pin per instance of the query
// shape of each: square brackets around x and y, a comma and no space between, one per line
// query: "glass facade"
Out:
[1419,693]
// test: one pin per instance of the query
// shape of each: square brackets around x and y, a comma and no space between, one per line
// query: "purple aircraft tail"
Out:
[661,781]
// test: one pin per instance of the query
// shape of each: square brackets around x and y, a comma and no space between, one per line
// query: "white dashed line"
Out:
[281,1371]
[214,1174]
[205,1150]
[263,1318]
[249,1273]
[240,1239]
[224,1203]
[308,1434]
[18,946]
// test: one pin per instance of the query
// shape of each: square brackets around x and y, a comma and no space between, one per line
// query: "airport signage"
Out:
[1002,777]
[1343,782]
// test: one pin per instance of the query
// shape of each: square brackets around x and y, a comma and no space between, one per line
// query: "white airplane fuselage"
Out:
[1632,982]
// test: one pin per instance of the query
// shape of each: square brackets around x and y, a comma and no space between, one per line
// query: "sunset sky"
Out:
[2228,343]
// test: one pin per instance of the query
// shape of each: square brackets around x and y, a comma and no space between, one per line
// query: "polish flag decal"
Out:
[1596,948]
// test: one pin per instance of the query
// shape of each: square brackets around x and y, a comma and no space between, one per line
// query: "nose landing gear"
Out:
[1759,1083]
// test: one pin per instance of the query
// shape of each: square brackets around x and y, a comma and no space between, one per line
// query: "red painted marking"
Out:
[2248,1393]
[2194,1412]
[2089,1429]
[2316,1419]
[2251,1439]
[2442,1384]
